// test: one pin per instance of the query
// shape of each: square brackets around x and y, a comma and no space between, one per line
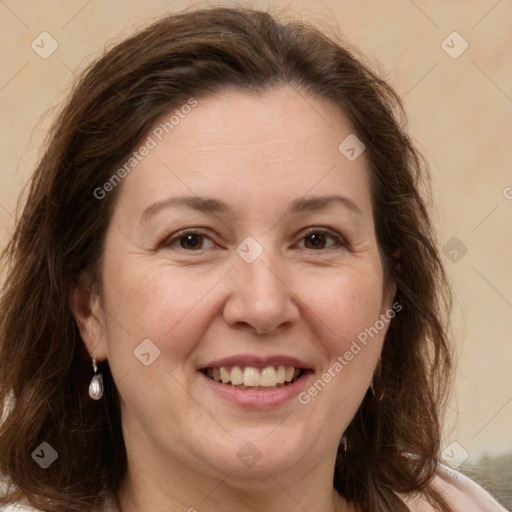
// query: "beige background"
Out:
[460,113]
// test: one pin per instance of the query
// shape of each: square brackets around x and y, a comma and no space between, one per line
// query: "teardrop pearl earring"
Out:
[96,385]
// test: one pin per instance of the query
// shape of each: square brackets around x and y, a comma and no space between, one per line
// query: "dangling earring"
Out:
[96,385]
[344,442]
[378,394]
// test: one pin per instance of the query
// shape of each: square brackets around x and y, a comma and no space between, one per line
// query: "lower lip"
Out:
[256,399]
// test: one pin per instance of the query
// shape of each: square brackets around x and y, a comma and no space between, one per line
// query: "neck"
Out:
[187,489]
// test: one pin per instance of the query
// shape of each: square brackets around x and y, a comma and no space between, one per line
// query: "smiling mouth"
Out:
[251,378]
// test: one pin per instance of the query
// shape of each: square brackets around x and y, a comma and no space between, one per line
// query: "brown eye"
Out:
[315,241]
[191,241]
[320,239]
[188,240]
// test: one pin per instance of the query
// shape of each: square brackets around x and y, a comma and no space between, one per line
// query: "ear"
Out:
[390,288]
[86,309]
[395,260]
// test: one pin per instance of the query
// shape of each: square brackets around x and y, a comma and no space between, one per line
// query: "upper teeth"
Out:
[253,377]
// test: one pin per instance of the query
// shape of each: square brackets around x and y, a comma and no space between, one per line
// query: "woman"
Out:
[224,291]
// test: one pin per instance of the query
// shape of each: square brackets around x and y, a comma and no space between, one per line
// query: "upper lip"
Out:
[257,361]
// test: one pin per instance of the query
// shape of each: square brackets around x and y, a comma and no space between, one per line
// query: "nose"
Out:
[260,298]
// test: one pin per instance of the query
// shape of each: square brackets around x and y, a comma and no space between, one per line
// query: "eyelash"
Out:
[173,239]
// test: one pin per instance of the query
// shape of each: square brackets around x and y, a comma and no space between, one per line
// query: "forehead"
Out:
[248,149]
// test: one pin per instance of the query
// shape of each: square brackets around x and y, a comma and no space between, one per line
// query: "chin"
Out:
[258,453]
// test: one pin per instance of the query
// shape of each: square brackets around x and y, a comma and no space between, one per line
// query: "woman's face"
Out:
[242,246]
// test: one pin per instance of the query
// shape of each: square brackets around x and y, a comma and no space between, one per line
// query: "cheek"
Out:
[343,306]
[343,313]
[165,305]
[172,309]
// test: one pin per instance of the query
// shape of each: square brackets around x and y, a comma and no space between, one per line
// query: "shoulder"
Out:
[461,493]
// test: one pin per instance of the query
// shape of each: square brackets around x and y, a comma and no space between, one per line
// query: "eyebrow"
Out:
[206,204]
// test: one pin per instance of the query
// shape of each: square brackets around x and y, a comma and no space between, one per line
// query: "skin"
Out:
[257,154]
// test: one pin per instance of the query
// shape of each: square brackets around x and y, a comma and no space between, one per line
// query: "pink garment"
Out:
[462,494]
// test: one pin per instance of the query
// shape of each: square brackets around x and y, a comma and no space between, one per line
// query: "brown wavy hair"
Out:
[392,445]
